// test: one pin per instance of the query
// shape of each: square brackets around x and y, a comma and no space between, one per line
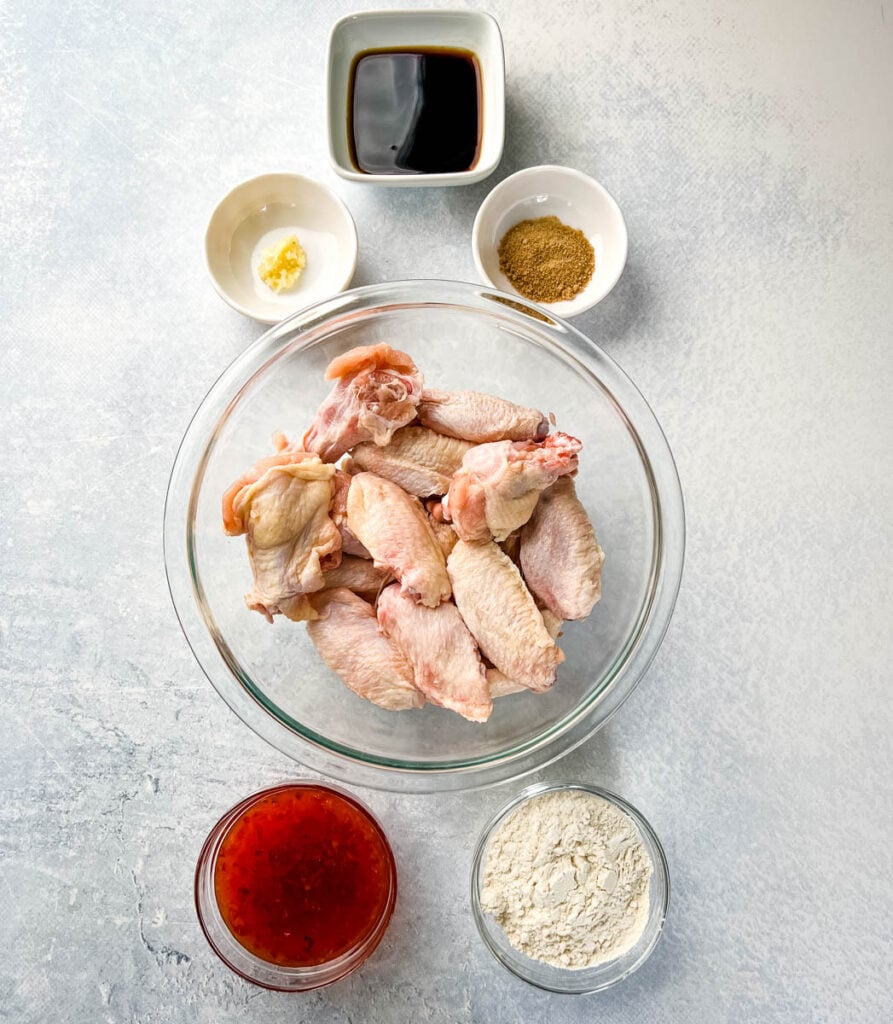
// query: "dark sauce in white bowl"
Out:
[415,111]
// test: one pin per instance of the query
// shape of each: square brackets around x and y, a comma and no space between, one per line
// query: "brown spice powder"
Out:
[545,260]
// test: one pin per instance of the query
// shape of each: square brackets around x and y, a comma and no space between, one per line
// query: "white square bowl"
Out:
[406,30]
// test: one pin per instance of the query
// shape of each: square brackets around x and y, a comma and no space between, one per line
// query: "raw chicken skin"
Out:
[377,391]
[552,622]
[501,614]
[357,574]
[446,536]
[349,543]
[394,527]
[282,505]
[347,637]
[480,418]
[498,485]
[500,685]
[444,657]
[234,524]
[560,556]
[340,487]
[421,461]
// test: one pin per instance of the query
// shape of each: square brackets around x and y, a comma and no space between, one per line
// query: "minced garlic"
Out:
[283,264]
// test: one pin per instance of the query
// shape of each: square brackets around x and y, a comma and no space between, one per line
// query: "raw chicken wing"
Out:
[394,527]
[501,614]
[480,418]
[347,637]
[357,574]
[421,461]
[446,536]
[349,543]
[282,505]
[500,685]
[560,556]
[444,657]
[443,531]
[234,523]
[498,485]
[377,391]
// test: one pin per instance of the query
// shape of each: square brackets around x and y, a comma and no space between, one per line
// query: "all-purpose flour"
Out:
[567,878]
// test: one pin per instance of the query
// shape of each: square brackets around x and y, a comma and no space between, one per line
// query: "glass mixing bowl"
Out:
[462,336]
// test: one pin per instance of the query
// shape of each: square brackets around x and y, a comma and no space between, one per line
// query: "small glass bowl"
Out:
[252,968]
[573,981]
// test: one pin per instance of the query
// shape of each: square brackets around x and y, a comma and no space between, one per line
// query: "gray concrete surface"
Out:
[750,148]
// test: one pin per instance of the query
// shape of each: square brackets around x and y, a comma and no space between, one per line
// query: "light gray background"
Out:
[751,150]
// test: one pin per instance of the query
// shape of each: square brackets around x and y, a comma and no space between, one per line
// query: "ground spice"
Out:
[546,260]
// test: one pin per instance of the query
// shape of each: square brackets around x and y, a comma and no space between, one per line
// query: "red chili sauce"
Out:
[303,876]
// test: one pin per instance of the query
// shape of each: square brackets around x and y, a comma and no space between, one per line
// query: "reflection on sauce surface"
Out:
[303,876]
[415,111]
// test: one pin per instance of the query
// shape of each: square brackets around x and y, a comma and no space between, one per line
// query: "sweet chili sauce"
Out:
[303,876]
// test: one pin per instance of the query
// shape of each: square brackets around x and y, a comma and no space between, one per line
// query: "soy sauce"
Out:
[415,111]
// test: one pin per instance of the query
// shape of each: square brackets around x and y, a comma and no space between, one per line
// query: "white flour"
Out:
[567,879]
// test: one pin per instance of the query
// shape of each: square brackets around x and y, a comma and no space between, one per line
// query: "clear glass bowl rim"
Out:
[227,947]
[312,750]
[565,980]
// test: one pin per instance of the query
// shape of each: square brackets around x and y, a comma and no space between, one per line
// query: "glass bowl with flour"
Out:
[569,887]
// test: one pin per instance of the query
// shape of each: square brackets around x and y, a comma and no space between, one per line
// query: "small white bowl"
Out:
[573,197]
[407,30]
[258,214]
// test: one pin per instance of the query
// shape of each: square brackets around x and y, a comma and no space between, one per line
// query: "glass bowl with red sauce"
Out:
[295,886]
